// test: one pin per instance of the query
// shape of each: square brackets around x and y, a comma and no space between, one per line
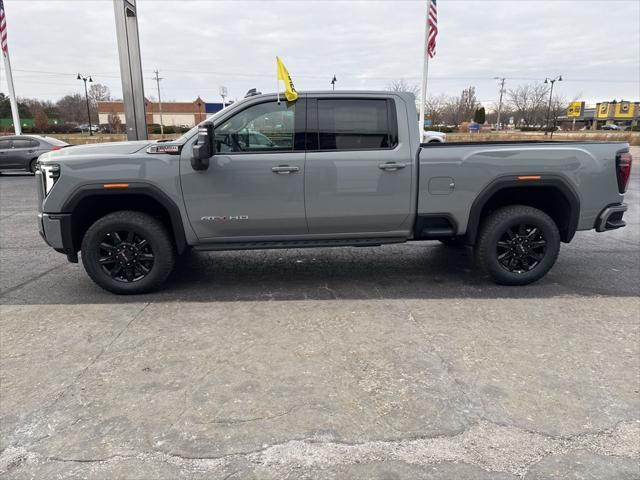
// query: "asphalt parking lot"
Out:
[359,363]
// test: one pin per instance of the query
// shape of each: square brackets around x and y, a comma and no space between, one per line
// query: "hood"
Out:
[115,148]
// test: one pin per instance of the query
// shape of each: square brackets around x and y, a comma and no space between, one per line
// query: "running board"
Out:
[343,242]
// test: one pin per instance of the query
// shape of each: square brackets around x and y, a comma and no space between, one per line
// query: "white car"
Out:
[429,136]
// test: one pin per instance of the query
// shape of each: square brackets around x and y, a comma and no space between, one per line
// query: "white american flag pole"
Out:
[17,127]
[427,51]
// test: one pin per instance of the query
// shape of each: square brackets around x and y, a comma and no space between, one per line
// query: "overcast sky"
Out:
[202,44]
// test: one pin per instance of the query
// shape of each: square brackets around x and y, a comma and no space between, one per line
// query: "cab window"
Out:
[266,127]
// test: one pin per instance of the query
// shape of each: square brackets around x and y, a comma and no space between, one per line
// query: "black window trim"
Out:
[299,128]
[313,129]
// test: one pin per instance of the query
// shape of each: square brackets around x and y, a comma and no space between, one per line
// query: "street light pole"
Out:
[86,96]
[552,81]
[157,79]
[502,80]
[333,82]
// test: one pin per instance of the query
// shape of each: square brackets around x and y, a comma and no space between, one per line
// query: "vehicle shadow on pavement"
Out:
[406,271]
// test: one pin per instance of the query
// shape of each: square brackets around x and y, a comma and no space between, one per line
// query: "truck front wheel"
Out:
[128,252]
[517,245]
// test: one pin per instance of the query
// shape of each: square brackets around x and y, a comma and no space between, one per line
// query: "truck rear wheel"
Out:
[517,245]
[128,252]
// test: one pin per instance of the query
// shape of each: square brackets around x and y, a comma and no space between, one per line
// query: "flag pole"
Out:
[277,82]
[17,127]
[425,71]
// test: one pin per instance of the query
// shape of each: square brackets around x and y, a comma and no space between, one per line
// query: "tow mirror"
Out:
[204,148]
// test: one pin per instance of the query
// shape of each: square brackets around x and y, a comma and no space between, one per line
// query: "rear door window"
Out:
[356,124]
[5,144]
[25,143]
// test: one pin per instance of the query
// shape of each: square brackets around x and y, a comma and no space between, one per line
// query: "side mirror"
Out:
[204,148]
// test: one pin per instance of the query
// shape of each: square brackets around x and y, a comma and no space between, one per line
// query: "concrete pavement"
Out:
[391,362]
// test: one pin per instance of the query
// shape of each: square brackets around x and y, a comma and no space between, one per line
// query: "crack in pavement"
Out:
[489,446]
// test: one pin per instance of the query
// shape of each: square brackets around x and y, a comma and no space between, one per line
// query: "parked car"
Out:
[85,128]
[430,136]
[612,126]
[21,152]
[353,173]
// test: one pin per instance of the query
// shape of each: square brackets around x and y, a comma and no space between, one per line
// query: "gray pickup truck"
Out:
[330,169]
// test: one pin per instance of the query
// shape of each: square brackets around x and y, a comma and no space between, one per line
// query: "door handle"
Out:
[284,169]
[391,166]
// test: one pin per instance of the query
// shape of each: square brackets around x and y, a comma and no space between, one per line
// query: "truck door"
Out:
[254,186]
[359,166]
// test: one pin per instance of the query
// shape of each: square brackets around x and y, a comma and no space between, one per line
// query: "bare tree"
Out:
[435,109]
[73,108]
[99,93]
[402,85]
[529,103]
[41,121]
[115,124]
[456,110]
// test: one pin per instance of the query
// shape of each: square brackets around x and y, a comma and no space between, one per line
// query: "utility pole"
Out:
[86,95]
[552,81]
[502,80]
[157,79]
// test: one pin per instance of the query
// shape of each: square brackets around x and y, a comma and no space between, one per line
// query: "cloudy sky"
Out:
[202,44]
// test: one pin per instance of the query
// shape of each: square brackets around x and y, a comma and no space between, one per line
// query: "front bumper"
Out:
[55,229]
[611,218]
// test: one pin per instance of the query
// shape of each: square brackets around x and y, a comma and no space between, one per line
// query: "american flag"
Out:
[3,30]
[433,28]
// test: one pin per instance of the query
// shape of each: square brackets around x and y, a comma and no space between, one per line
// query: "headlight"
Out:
[50,175]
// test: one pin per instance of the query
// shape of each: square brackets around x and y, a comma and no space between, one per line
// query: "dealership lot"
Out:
[320,363]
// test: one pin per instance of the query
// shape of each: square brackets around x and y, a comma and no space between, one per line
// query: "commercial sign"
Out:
[575,109]
[625,110]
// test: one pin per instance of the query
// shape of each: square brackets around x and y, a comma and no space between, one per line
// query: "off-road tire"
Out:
[494,229]
[145,227]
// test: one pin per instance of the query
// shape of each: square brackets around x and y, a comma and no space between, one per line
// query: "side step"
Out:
[344,242]
[435,226]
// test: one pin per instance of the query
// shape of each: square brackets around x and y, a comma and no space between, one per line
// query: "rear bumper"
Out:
[611,218]
[55,229]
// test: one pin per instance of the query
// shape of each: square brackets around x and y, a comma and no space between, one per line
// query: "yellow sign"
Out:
[625,110]
[602,110]
[283,74]
[575,109]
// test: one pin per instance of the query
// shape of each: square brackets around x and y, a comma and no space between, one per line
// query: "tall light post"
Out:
[502,80]
[552,81]
[86,96]
[157,78]
[333,82]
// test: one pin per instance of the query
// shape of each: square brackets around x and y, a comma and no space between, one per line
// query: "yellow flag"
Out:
[283,74]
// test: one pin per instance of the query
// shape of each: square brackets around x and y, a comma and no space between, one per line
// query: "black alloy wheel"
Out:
[521,248]
[126,256]
[128,252]
[517,245]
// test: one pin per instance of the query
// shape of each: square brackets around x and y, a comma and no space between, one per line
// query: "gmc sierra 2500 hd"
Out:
[330,169]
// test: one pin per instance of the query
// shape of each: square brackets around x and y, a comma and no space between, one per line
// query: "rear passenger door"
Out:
[24,150]
[358,168]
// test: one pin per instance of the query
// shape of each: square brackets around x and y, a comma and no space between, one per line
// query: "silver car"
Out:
[21,152]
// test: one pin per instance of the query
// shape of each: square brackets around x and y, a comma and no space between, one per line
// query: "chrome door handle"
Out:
[391,166]
[284,169]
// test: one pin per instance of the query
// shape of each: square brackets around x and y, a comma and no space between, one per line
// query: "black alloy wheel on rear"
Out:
[126,256]
[521,248]
[517,244]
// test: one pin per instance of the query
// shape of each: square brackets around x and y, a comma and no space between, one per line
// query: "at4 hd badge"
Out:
[224,218]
